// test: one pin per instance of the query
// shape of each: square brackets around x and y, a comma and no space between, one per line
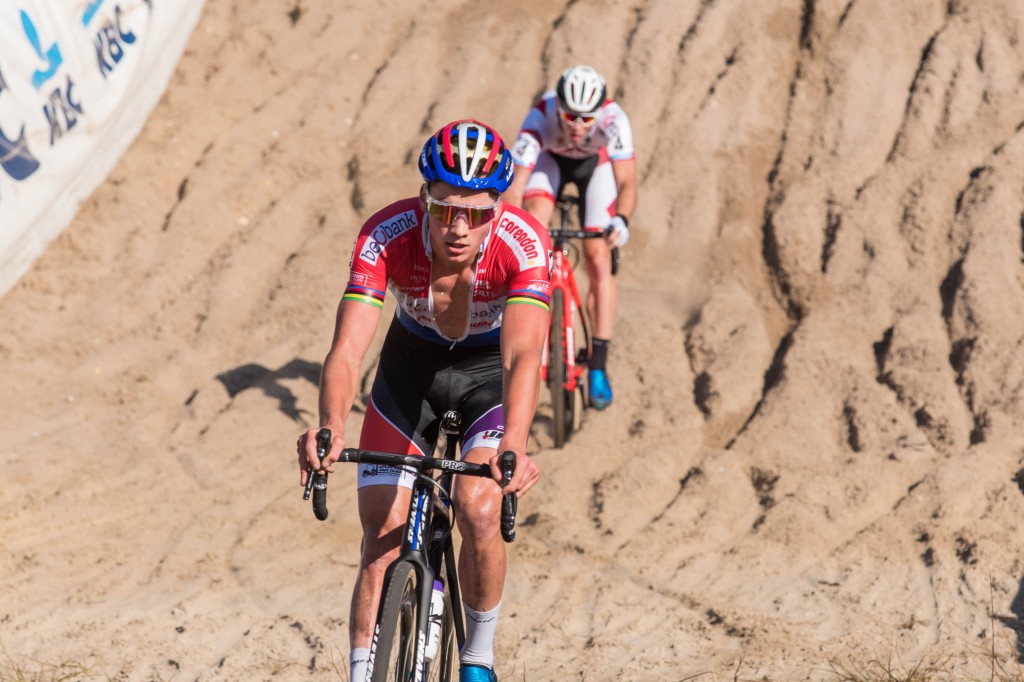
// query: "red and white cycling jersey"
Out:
[541,131]
[392,252]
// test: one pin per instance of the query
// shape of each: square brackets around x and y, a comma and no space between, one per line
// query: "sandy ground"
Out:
[815,458]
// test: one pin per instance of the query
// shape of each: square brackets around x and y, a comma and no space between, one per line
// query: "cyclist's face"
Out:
[459,220]
[577,129]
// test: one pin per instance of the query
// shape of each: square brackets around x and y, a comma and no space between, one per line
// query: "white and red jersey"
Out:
[541,131]
[393,252]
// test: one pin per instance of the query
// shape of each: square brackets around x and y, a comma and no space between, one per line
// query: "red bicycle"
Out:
[568,345]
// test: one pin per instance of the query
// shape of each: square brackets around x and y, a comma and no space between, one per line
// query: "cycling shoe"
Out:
[600,389]
[476,673]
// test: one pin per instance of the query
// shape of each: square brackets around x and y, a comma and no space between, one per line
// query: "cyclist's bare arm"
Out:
[514,194]
[339,380]
[523,330]
[625,185]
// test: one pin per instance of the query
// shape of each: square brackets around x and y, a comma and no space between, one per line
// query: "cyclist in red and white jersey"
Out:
[471,277]
[575,135]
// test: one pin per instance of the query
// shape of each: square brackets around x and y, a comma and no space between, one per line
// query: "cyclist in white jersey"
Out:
[575,135]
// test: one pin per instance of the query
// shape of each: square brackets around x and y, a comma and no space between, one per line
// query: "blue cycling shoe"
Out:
[600,389]
[476,673]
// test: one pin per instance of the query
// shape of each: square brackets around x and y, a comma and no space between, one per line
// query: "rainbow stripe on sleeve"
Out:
[530,296]
[354,292]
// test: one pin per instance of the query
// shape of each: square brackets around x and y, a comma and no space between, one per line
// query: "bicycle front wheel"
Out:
[395,655]
[556,368]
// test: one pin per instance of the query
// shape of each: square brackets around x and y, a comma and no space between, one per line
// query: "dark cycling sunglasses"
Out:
[476,216]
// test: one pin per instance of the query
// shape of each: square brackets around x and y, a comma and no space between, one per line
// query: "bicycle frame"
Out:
[426,541]
[563,278]
[425,550]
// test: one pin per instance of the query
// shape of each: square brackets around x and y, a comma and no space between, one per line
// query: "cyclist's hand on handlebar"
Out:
[305,448]
[617,233]
[526,474]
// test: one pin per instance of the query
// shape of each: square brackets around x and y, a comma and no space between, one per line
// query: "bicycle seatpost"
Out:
[509,501]
[450,423]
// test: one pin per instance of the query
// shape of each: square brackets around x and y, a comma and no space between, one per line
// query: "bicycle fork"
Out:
[571,302]
[413,552]
[424,546]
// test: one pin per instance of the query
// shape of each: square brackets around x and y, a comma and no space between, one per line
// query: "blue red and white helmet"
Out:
[581,90]
[469,154]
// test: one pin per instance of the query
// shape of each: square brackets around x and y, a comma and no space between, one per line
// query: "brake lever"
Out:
[316,483]
[509,501]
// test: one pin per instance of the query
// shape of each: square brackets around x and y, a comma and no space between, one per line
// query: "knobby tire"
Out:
[395,656]
[444,667]
[572,418]
[556,369]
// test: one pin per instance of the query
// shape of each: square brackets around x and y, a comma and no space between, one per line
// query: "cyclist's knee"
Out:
[477,508]
[599,268]
[382,514]
[540,207]
[380,548]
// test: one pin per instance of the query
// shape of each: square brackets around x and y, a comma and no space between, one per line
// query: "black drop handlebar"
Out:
[509,501]
[559,235]
[575,234]
[562,233]
[318,482]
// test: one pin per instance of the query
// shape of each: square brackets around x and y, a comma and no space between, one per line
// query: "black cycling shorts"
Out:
[417,381]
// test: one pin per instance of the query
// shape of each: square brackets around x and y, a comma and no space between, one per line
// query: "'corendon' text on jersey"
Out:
[521,236]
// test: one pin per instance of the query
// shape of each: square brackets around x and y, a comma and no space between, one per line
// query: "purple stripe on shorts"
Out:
[486,431]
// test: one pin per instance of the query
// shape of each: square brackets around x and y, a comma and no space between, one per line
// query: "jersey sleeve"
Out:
[526,150]
[529,247]
[619,134]
[532,287]
[368,273]
[530,142]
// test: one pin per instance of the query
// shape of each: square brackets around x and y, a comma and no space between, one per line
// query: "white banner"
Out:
[78,78]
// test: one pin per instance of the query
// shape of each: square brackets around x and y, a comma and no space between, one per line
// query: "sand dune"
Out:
[815,456]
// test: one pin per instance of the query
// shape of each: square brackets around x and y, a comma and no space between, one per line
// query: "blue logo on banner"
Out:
[51,56]
[15,158]
[90,11]
[62,111]
[110,42]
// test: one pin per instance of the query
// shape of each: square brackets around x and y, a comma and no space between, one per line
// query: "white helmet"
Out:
[580,90]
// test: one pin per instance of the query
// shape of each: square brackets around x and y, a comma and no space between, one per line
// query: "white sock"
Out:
[358,661]
[480,628]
